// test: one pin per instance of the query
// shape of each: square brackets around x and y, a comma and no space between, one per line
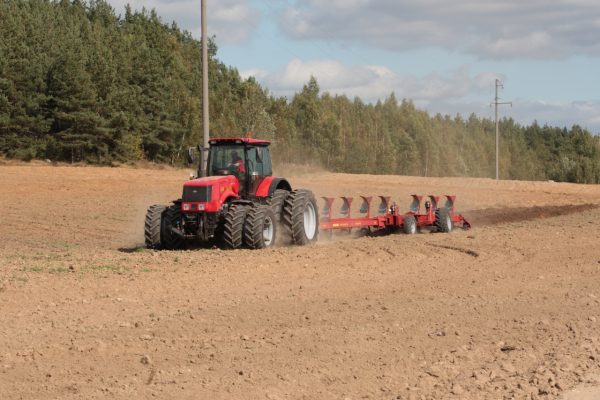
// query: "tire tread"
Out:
[152,226]
[441,221]
[232,236]
[170,216]
[253,228]
[293,216]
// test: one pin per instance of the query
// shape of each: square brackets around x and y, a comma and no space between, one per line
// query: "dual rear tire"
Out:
[300,217]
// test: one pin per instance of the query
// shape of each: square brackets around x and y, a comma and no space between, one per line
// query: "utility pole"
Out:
[498,103]
[204,87]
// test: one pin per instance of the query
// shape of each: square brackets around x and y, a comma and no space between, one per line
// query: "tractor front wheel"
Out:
[152,226]
[171,218]
[260,229]
[232,236]
[300,217]
[158,227]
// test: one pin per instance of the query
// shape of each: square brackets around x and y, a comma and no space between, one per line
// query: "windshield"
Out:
[226,160]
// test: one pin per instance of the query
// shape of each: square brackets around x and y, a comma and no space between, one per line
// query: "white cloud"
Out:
[330,74]
[446,93]
[582,113]
[498,29]
[519,46]
[231,21]
[256,73]
[372,82]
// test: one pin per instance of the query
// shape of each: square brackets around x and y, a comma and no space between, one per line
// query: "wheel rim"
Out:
[413,228]
[268,231]
[310,221]
[449,223]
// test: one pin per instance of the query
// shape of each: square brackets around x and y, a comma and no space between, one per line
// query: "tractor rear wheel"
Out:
[300,217]
[409,225]
[152,226]
[233,227]
[260,229]
[276,202]
[171,218]
[443,221]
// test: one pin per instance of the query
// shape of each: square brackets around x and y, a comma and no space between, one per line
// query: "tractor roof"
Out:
[247,141]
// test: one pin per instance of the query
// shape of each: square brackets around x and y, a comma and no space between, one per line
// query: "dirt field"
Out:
[509,309]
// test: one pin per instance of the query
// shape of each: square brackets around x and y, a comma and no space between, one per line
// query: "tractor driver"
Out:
[237,163]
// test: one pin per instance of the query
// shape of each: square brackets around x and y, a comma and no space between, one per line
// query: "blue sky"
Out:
[444,55]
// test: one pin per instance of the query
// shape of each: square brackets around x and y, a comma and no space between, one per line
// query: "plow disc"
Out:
[424,212]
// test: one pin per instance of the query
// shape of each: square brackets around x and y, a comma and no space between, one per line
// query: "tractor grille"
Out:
[199,194]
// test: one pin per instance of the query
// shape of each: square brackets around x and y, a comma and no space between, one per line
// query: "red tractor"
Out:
[236,202]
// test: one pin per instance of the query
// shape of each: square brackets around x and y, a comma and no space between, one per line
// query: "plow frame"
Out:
[388,214]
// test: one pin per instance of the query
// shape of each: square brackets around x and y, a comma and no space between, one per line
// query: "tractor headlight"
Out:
[186,207]
[201,207]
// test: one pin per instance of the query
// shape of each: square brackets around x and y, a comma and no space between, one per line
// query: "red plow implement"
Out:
[422,214]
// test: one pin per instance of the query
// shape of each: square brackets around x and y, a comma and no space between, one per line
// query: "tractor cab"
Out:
[246,159]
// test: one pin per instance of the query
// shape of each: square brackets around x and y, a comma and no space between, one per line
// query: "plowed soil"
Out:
[508,309]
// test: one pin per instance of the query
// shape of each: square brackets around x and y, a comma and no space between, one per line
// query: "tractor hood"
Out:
[211,180]
[209,193]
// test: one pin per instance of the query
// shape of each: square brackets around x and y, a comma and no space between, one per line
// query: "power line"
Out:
[497,103]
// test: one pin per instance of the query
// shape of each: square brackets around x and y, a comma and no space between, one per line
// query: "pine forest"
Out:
[81,83]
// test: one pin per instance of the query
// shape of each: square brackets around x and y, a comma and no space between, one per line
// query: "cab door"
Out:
[258,165]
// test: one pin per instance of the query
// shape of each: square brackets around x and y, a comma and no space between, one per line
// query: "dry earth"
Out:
[509,309]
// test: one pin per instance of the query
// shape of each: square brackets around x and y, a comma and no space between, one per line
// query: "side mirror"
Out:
[191,156]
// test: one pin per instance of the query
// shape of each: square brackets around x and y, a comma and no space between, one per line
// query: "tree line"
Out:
[80,83]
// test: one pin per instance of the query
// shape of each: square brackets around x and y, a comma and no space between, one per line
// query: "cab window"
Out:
[223,159]
[259,161]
